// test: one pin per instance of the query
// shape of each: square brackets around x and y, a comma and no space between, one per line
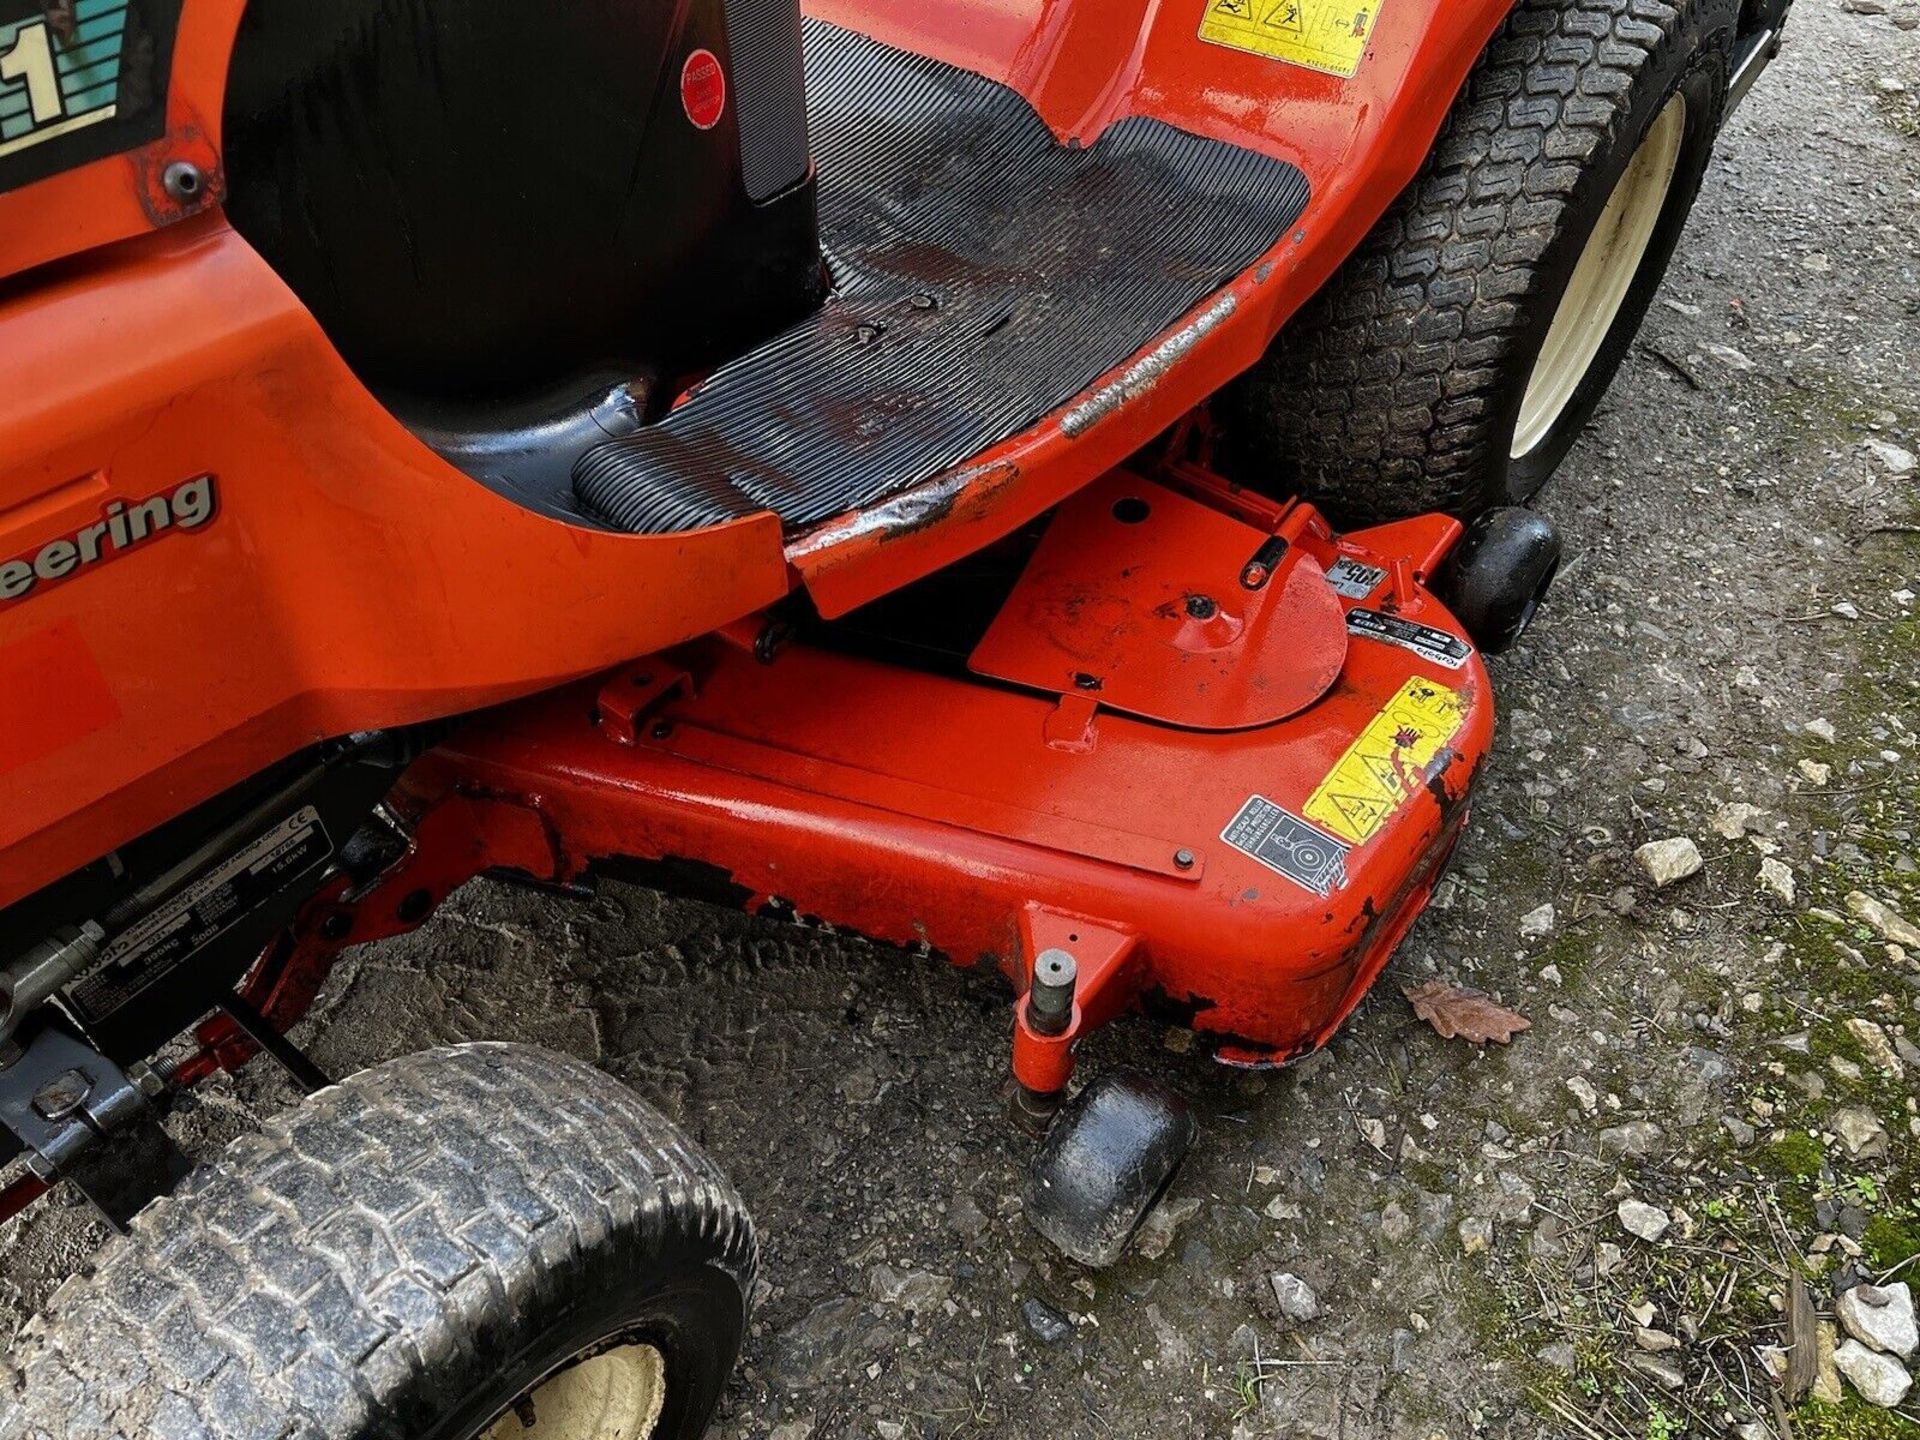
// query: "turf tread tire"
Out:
[329,1262]
[1388,394]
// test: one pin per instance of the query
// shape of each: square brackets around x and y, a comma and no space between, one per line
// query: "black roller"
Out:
[1104,1163]
[1499,573]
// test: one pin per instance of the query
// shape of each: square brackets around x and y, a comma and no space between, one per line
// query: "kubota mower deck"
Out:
[1207,758]
[1241,851]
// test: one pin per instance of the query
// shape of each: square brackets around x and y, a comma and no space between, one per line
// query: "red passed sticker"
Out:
[703,89]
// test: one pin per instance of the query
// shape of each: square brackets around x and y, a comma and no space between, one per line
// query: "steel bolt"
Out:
[1050,999]
[147,1080]
[1033,1110]
[1202,607]
[183,181]
[1183,859]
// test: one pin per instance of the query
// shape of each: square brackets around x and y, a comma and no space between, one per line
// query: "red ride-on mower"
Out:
[1031,483]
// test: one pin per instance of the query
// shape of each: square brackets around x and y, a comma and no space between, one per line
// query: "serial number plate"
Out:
[203,912]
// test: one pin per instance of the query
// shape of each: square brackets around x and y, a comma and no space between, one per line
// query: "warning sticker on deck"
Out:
[1330,36]
[1288,845]
[1394,758]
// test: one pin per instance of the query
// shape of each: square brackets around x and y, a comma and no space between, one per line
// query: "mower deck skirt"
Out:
[1249,885]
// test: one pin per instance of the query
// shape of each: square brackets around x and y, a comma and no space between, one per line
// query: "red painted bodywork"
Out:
[942,813]
[1084,65]
[352,580]
[347,580]
[1168,609]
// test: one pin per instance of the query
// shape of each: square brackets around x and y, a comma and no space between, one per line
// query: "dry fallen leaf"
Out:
[1464,1014]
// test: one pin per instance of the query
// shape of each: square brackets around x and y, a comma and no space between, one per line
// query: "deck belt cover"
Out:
[983,275]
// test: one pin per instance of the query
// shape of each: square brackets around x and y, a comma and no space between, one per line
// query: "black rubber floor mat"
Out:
[984,275]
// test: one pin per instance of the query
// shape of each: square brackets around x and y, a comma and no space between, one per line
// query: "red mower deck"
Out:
[1248,882]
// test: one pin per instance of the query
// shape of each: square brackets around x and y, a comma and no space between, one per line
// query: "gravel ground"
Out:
[1736,626]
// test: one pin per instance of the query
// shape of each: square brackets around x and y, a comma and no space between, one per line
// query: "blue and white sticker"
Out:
[1289,846]
[60,71]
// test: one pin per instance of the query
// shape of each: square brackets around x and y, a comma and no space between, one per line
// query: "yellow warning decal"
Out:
[1392,760]
[1326,35]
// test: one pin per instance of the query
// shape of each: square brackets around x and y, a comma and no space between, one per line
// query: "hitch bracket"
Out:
[86,1122]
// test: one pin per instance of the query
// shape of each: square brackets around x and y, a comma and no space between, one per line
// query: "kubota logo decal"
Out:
[123,525]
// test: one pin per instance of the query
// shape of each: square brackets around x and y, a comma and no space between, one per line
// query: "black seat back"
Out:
[480,198]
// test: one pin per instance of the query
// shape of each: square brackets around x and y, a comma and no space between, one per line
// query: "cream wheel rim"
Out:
[615,1395]
[1602,278]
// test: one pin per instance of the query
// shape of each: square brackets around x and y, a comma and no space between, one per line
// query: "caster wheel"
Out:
[1107,1158]
[1499,574]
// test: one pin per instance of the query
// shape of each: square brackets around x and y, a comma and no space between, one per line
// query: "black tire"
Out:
[1397,389]
[1104,1163]
[401,1255]
[1498,574]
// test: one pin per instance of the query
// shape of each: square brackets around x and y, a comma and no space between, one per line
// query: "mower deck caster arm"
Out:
[1106,1155]
[1079,973]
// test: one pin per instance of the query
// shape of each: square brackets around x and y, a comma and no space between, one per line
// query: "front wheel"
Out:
[489,1242]
[1455,358]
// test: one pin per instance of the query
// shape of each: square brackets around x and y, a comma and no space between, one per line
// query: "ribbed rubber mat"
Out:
[984,275]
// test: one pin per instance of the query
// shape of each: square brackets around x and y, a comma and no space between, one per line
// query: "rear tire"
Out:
[1399,389]
[410,1253]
